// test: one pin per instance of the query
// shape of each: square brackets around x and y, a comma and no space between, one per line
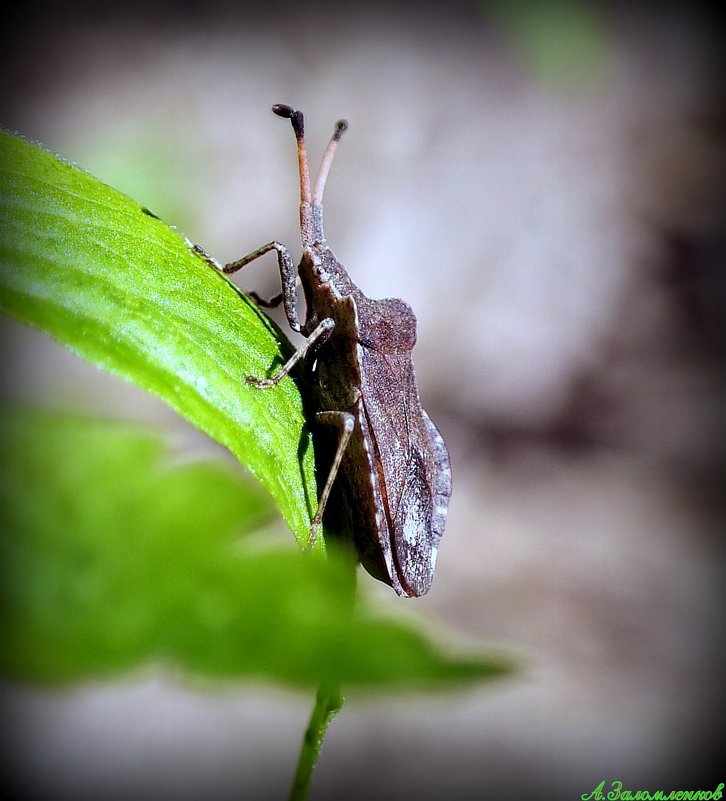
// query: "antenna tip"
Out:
[295,117]
[340,128]
[283,110]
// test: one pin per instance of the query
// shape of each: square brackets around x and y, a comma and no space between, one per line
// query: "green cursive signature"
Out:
[617,793]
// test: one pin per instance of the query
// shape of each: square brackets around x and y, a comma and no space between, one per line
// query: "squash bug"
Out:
[389,454]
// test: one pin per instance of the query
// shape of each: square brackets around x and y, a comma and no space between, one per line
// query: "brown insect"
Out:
[390,455]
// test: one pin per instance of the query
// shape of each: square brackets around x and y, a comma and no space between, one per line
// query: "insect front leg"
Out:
[272,303]
[320,333]
[345,421]
[288,277]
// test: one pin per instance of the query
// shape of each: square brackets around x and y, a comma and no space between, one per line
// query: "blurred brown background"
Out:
[543,182]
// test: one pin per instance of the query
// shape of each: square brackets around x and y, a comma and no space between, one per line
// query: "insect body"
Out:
[389,454]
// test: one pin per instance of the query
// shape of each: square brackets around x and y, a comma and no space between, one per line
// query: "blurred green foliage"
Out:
[563,42]
[116,553]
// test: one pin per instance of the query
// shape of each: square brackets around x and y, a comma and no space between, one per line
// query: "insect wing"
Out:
[413,546]
[403,435]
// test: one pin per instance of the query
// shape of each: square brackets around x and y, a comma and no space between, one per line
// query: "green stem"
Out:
[327,703]
[328,700]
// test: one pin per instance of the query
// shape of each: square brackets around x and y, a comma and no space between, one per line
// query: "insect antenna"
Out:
[340,128]
[298,125]
[311,205]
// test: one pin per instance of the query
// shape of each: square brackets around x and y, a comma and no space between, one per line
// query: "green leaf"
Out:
[100,274]
[115,553]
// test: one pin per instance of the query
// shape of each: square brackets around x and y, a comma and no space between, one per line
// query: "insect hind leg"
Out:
[345,421]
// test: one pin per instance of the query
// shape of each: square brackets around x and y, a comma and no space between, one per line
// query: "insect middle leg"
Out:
[320,333]
[345,421]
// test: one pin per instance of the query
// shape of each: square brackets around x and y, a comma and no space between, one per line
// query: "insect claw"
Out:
[260,383]
[312,536]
